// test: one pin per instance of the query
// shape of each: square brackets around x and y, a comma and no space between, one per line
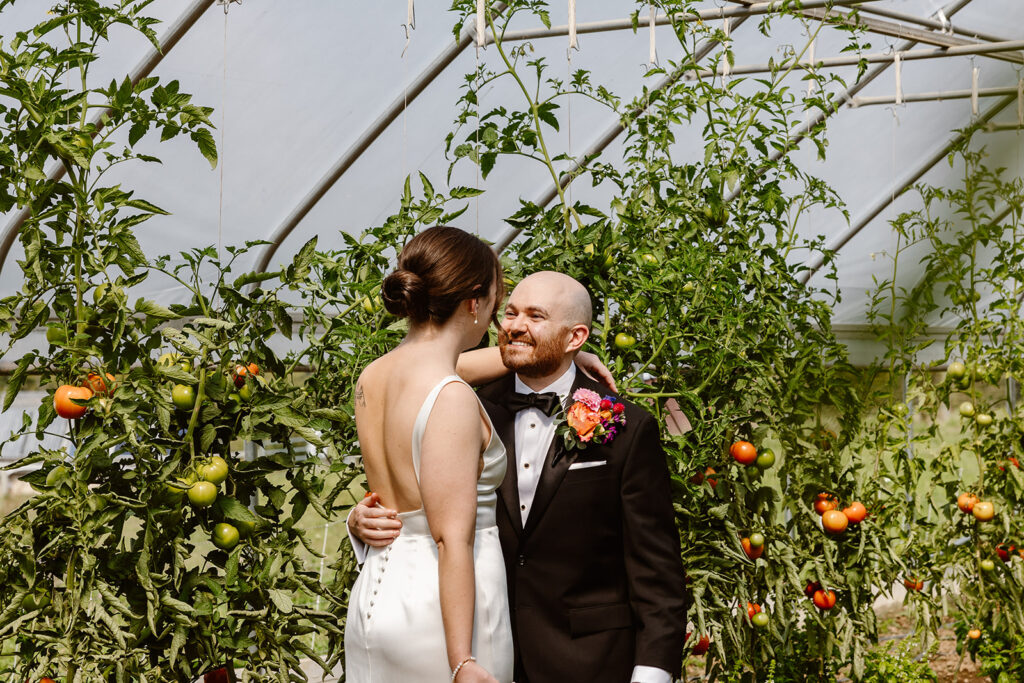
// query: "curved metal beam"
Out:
[903,186]
[839,100]
[386,118]
[611,133]
[142,70]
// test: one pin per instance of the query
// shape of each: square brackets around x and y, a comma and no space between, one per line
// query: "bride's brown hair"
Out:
[437,270]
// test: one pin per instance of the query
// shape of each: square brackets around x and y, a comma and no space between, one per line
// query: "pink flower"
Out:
[589,398]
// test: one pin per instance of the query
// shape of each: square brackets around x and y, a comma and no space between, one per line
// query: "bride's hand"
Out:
[471,672]
[593,366]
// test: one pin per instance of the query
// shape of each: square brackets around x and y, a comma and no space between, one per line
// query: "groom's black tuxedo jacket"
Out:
[595,578]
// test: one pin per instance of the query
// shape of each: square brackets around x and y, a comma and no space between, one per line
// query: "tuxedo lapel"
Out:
[504,423]
[556,464]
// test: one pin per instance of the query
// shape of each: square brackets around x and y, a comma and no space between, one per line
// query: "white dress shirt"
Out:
[534,431]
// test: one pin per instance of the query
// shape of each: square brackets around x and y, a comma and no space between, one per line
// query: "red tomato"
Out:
[825,600]
[856,512]
[743,452]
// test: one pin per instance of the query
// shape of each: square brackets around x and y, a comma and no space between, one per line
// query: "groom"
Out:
[592,555]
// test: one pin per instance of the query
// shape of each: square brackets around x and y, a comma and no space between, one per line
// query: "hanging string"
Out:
[409,25]
[810,81]
[573,43]
[1020,102]
[726,29]
[568,127]
[975,73]
[223,126]
[897,64]
[652,56]
[479,159]
[481,23]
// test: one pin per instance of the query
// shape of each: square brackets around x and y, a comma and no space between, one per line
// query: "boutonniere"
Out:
[591,419]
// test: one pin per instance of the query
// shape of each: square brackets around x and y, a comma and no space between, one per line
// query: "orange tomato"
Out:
[62,401]
[752,552]
[811,588]
[253,369]
[825,600]
[834,522]
[966,501]
[711,480]
[99,385]
[823,502]
[743,452]
[974,634]
[913,583]
[752,609]
[984,511]
[856,512]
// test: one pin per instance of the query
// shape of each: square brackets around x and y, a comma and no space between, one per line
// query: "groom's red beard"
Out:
[538,360]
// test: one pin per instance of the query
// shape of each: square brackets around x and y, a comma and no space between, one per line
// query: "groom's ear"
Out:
[578,335]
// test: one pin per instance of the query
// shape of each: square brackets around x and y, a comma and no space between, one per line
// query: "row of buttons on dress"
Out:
[380,576]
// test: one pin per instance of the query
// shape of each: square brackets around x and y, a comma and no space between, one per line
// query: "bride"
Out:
[432,606]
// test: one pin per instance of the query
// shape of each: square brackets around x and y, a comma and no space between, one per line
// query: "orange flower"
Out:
[583,420]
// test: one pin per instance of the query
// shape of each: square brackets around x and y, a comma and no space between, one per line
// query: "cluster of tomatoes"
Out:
[69,399]
[983,510]
[823,598]
[745,454]
[835,521]
[202,489]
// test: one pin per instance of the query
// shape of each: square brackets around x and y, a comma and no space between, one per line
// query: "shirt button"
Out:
[526,465]
[532,425]
[522,507]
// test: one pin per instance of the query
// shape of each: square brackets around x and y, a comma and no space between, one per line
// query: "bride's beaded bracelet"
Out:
[463,663]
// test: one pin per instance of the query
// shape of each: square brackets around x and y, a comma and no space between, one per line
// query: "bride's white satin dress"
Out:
[394,632]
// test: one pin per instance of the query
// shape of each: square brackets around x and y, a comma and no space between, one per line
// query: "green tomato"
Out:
[765,459]
[225,536]
[650,259]
[56,475]
[689,286]
[34,601]
[756,540]
[202,494]
[900,409]
[214,470]
[183,397]
[589,250]
[956,370]
[987,565]
[625,341]
[56,335]
[175,493]
[171,359]
[967,409]
[760,620]
[245,393]
[983,419]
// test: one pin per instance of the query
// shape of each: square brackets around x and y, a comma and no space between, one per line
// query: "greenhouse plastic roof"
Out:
[296,86]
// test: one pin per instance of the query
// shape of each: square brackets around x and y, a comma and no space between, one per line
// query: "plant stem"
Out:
[566,209]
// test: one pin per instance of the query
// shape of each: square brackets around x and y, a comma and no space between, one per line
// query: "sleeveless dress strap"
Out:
[420,425]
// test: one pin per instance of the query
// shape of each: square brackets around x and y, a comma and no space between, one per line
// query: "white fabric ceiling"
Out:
[302,82]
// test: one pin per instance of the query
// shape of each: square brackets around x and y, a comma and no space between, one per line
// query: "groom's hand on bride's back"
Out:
[372,524]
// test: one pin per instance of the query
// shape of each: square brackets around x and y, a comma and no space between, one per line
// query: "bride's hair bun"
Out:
[405,294]
[437,270]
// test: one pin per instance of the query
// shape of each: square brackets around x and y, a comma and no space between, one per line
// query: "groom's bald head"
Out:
[564,296]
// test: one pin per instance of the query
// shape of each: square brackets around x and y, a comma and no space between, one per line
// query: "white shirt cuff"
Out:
[650,674]
[358,547]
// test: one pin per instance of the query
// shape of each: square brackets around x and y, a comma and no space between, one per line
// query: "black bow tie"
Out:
[547,403]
